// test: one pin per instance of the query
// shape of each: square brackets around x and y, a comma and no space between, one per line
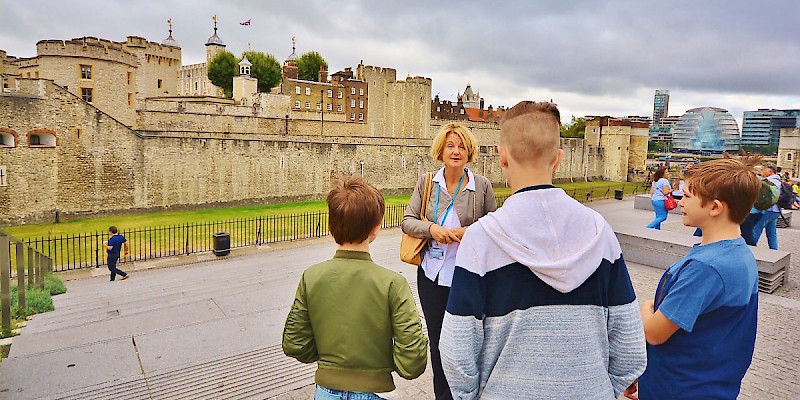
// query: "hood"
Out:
[562,241]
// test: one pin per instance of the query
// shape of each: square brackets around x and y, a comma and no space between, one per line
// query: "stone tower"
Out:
[214,45]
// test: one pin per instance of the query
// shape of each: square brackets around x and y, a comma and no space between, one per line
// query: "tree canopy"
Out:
[308,66]
[574,129]
[265,68]
[224,66]
[221,70]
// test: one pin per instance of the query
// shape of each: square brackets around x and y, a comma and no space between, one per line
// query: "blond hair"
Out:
[530,132]
[463,132]
[731,181]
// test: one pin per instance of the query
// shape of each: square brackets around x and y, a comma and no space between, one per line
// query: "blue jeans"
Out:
[661,214]
[323,393]
[769,222]
[112,266]
[749,226]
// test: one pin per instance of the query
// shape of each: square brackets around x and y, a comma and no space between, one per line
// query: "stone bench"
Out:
[642,202]
[661,249]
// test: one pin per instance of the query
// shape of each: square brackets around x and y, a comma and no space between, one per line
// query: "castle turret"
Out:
[244,86]
[214,45]
[170,41]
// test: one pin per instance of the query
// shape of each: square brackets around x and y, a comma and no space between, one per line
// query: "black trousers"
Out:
[433,299]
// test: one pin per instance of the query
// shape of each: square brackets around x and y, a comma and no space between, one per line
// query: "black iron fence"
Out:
[70,252]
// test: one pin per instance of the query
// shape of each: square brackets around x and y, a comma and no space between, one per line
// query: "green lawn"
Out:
[130,222]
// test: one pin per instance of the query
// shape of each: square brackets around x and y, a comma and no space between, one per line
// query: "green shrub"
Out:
[54,285]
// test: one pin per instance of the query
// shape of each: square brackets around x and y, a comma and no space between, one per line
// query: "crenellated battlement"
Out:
[137,43]
[88,47]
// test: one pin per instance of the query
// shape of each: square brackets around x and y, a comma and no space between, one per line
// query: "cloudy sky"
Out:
[591,57]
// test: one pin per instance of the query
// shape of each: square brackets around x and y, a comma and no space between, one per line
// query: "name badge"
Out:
[436,252]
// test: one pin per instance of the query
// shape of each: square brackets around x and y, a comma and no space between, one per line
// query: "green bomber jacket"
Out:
[359,322]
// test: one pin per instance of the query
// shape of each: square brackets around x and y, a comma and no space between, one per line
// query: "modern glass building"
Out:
[706,130]
[660,105]
[763,127]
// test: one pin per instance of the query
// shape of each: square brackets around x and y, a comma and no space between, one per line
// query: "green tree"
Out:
[265,68]
[308,66]
[574,129]
[221,70]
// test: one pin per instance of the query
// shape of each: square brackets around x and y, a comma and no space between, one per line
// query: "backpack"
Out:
[786,198]
[768,195]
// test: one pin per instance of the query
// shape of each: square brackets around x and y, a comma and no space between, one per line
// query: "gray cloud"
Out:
[591,57]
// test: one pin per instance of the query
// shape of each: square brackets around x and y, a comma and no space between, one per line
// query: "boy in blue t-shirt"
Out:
[701,328]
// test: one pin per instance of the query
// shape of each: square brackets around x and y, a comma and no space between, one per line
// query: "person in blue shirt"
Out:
[658,193]
[114,247]
[701,326]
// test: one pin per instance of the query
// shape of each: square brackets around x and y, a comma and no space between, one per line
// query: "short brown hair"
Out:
[113,229]
[354,208]
[463,132]
[530,132]
[731,181]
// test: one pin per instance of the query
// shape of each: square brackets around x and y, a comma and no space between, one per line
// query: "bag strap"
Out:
[426,197]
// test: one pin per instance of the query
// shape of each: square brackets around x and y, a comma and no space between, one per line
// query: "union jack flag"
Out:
[246,23]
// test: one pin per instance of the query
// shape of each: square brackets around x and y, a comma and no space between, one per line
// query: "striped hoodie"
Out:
[542,306]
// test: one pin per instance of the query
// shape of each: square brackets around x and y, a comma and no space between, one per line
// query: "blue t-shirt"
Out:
[116,241]
[712,295]
[659,187]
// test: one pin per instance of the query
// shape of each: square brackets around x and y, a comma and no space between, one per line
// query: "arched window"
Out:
[42,138]
[8,138]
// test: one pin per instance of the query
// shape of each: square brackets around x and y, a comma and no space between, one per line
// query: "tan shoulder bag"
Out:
[410,246]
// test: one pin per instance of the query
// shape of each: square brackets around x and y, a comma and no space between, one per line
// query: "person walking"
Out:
[769,221]
[114,247]
[659,190]
[458,198]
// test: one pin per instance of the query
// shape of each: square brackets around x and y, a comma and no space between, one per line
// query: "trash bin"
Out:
[618,194]
[222,244]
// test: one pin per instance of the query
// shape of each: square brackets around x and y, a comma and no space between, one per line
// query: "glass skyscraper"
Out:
[708,130]
[660,106]
[763,127]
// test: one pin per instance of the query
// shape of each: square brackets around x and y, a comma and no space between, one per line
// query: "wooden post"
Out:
[41,264]
[21,275]
[5,281]
[31,266]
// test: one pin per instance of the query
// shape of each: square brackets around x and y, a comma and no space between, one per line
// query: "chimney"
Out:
[323,74]
[480,114]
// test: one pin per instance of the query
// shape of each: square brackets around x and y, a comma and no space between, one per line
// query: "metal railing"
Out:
[15,258]
[70,252]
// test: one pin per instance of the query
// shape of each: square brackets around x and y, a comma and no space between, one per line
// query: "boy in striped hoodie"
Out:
[541,305]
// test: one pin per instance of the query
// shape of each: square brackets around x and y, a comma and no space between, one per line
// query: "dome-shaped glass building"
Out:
[706,130]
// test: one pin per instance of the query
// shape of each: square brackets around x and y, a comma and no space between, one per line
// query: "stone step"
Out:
[661,249]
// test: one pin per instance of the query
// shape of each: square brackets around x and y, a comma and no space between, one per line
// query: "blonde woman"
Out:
[458,198]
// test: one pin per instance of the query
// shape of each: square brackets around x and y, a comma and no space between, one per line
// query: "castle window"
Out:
[8,138]
[297,90]
[352,90]
[361,104]
[352,116]
[360,116]
[340,94]
[130,77]
[788,156]
[37,74]
[130,99]
[319,106]
[308,104]
[86,71]
[353,103]
[42,138]
[462,111]
[339,108]
[361,91]
[159,83]
[297,104]
[3,176]
[195,86]
[330,93]
[308,91]
[86,94]
[330,107]
[438,109]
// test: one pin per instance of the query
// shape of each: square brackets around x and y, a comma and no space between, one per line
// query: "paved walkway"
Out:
[212,329]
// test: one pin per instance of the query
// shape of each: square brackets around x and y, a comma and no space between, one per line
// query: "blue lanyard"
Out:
[452,201]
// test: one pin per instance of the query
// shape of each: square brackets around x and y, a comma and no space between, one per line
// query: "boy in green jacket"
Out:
[357,320]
